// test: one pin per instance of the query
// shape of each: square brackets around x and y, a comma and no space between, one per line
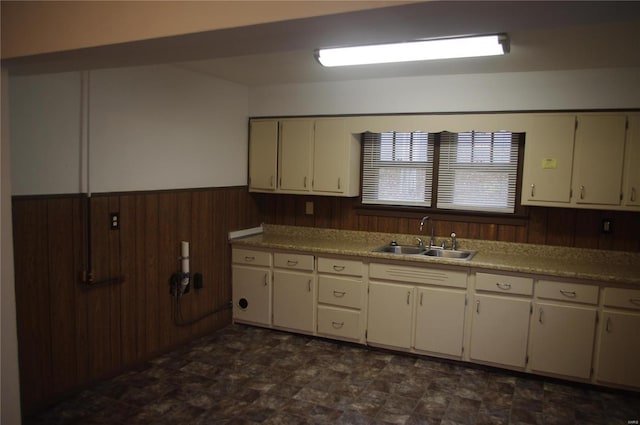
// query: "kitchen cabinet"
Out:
[500,319]
[619,345]
[440,321]
[294,289]
[251,286]
[341,295]
[563,332]
[263,155]
[548,160]
[296,147]
[598,159]
[390,313]
[631,193]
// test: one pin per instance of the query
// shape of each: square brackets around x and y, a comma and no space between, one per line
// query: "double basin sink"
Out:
[431,252]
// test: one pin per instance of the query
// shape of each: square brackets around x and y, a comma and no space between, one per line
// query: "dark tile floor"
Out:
[248,375]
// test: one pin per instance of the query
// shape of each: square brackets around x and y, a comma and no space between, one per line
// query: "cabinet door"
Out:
[499,330]
[390,313]
[548,159]
[251,289]
[293,300]
[440,321]
[631,195]
[263,155]
[619,348]
[562,339]
[296,141]
[598,159]
[330,155]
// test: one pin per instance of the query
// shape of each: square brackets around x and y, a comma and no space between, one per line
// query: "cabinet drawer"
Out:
[338,322]
[572,292]
[424,275]
[251,257]
[340,291]
[340,266]
[293,261]
[504,284]
[623,298]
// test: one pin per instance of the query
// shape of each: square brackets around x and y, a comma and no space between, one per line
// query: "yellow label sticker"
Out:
[549,163]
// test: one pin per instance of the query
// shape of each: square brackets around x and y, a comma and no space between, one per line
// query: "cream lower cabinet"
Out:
[564,327]
[500,319]
[440,321]
[619,345]
[390,313]
[294,289]
[251,286]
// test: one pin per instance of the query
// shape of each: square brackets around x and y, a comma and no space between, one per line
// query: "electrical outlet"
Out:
[308,208]
[114,220]
[607,226]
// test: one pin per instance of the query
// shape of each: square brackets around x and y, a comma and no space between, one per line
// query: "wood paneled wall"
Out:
[70,334]
[546,226]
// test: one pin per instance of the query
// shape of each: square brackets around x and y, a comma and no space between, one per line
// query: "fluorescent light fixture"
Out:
[418,50]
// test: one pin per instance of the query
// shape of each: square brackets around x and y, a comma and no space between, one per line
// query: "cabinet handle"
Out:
[280,181]
[309,286]
[607,327]
[533,190]
[337,325]
[478,306]
[421,296]
[503,286]
[266,279]
[305,182]
[408,297]
[338,183]
[338,268]
[271,181]
[339,294]
[540,317]
[581,192]
[633,194]
[249,258]
[570,294]
[635,301]
[292,263]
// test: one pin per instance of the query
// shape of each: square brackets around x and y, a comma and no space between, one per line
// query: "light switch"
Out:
[308,208]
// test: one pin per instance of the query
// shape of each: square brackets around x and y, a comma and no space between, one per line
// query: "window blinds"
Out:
[478,171]
[397,168]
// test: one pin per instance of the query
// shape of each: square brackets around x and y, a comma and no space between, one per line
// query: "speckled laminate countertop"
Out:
[600,266]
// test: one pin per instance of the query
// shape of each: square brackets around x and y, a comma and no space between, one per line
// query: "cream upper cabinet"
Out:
[631,192]
[263,155]
[548,160]
[296,146]
[336,158]
[598,159]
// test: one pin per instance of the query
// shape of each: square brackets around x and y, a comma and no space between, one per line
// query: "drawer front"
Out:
[572,292]
[504,284]
[423,275]
[338,322]
[623,298]
[340,266]
[293,261]
[340,291]
[251,257]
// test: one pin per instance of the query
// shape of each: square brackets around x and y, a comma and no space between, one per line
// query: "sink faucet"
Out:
[432,241]
[454,242]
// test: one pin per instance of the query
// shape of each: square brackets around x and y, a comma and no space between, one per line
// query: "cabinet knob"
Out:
[581,192]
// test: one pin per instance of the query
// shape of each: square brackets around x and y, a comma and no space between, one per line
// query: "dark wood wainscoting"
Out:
[70,333]
[540,225]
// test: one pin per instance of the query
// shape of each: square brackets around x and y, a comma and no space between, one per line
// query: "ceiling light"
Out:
[418,50]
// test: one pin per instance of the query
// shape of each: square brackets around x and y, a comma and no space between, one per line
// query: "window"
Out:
[397,169]
[475,171]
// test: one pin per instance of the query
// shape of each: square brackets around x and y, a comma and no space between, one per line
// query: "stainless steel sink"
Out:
[448,253]
[401,249]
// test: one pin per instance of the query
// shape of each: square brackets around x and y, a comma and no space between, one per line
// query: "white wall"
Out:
[9,377]
[579,89]
[146,128]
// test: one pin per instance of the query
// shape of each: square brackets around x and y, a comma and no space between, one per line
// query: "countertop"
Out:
[600,266]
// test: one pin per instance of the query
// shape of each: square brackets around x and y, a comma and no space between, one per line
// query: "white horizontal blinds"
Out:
[397,168]
[478,171]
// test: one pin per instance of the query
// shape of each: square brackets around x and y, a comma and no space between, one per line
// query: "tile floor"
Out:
[248,375]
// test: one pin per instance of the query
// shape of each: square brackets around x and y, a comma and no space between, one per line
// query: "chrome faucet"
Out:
[432,241]
[454,242]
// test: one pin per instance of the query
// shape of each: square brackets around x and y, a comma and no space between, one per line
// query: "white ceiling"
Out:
[551,35]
